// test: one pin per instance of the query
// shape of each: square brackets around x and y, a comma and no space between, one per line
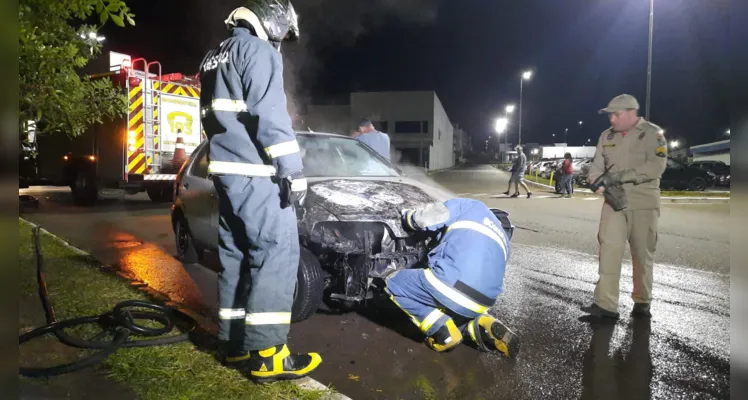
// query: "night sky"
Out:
[472,52]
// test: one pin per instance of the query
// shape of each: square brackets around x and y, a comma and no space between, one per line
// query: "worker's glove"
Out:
[293,190]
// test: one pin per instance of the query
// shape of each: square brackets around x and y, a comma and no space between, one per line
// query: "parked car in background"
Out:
[680,176]
[719,168]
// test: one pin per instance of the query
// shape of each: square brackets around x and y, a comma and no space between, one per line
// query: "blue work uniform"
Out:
[379,141]
[464,272]
[252,143]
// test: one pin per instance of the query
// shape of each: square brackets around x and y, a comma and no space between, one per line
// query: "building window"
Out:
[411,126]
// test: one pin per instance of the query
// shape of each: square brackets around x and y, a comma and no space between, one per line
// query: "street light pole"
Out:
[566,131]
[649,57]
[525,77]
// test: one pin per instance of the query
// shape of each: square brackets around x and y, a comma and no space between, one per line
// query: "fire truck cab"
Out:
[140,152]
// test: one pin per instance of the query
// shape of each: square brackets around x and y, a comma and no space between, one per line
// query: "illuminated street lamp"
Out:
[674,144]
[501,125]
[525,77]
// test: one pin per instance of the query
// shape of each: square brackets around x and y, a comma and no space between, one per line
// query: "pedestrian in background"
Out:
[379,141]
[518,173]
[567,173]
[635,152]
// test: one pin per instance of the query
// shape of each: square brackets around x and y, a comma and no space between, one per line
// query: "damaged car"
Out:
[350,227]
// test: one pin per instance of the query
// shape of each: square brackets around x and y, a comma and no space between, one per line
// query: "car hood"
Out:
[371,199]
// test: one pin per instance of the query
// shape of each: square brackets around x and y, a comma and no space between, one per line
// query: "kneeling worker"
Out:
[448,300]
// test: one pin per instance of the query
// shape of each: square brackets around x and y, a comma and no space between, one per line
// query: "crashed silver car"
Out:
[350,230]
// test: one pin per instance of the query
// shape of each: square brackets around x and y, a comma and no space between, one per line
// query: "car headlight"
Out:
[711,174]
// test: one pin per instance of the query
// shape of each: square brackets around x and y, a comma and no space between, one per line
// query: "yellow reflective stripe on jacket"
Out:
[453,294]
[282,149]
[472,225]
[269,318]
[235,168]
[430,320]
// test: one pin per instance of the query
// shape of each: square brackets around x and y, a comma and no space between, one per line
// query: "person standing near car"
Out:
[567,173]
[634,152]
[257,172]
[463,275]
[518,173]
[379,141]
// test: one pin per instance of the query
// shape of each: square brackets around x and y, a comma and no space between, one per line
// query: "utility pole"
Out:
[649,58]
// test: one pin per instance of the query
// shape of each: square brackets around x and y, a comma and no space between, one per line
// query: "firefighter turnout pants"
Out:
[259,253]
[639,229]
[406,290]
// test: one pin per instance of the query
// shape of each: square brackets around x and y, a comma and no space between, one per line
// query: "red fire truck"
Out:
[134,153]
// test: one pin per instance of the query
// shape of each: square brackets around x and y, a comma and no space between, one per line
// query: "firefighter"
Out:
[257,172]
[448,299]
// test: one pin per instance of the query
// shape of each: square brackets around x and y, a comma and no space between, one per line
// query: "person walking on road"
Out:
[257,173]
[379,141]
[567,173]
[519,167]
[463,275]
[634,152]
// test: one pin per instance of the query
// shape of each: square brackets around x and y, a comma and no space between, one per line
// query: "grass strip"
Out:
[77,287]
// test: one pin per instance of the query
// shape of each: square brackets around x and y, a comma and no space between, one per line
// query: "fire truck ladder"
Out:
[151,118]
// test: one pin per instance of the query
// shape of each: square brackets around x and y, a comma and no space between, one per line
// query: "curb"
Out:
[306,383]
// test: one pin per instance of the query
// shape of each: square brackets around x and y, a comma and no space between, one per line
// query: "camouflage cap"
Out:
[621,103]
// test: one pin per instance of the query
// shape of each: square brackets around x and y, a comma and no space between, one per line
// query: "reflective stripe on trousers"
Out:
[236,168]
[453,294]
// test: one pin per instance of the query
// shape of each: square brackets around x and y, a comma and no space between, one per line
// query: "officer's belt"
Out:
[237,168]
[458,295]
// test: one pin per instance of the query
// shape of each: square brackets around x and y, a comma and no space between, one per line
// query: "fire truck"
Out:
[134,153]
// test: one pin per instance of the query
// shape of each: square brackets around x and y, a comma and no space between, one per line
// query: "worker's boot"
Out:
[446,338]
[490,334]
[274,364]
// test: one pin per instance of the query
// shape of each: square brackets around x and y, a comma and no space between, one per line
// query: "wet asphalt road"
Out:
[683,352]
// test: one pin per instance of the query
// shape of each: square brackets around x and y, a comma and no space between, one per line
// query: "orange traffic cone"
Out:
[180,156]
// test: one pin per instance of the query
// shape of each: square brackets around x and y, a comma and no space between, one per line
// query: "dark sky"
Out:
[471,53]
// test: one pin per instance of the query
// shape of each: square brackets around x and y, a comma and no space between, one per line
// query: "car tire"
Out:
[310,286]
[187,252]
[697,184]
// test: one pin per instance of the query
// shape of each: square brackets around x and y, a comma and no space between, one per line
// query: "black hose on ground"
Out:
[120,324]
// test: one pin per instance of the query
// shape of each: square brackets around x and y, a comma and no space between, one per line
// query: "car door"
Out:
[199,200]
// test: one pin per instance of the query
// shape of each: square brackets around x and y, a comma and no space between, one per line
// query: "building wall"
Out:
[419,128]
[724,157]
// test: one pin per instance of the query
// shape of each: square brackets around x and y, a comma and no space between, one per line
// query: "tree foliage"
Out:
[54,45]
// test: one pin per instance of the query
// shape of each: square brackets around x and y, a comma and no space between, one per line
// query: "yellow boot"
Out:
[491,334]
[274,364]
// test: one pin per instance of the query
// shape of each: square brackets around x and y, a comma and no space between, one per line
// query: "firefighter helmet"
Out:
[271,20]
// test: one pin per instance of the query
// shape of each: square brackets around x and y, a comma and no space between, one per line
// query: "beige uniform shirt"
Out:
[642,151]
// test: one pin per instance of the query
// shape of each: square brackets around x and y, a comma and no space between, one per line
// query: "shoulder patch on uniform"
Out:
[609,145]
[611,135]
[641,135]
[660,151]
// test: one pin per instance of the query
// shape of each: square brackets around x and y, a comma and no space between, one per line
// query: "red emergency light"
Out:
[174,76]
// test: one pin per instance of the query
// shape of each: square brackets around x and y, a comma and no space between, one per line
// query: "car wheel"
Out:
[186,250]
[697,184]
[310,286]
[85,192]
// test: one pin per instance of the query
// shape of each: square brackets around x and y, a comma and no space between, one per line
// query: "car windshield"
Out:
[330,156]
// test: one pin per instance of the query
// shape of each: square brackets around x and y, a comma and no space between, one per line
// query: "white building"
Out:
[558,150]
[717,151]
[420,131]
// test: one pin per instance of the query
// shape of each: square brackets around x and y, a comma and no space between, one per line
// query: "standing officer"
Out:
[463,277]
[635,152]
[257,172]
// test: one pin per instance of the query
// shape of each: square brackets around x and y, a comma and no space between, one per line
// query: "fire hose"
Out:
[120,323]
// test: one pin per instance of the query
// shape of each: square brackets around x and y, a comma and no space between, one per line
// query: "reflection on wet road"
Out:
[683,352]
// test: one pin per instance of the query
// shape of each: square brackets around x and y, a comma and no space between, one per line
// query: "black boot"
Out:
[641,310]
[260,364]
[598,311]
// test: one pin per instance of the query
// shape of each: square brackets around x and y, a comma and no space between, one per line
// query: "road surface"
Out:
[376,354]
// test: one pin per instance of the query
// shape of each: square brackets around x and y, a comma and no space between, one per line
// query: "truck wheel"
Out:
[160,193]
[186,250]
[85,192]
[310,285]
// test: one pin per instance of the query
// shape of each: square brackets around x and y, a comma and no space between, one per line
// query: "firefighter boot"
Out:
[274,364]
[445,338]
[489,334]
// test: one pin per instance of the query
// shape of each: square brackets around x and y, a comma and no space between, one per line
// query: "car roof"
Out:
[307,133]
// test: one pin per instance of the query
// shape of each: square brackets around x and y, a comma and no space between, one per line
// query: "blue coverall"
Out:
[465,270]
[251,141]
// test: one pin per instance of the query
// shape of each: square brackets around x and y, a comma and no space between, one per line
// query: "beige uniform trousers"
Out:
[639,228]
